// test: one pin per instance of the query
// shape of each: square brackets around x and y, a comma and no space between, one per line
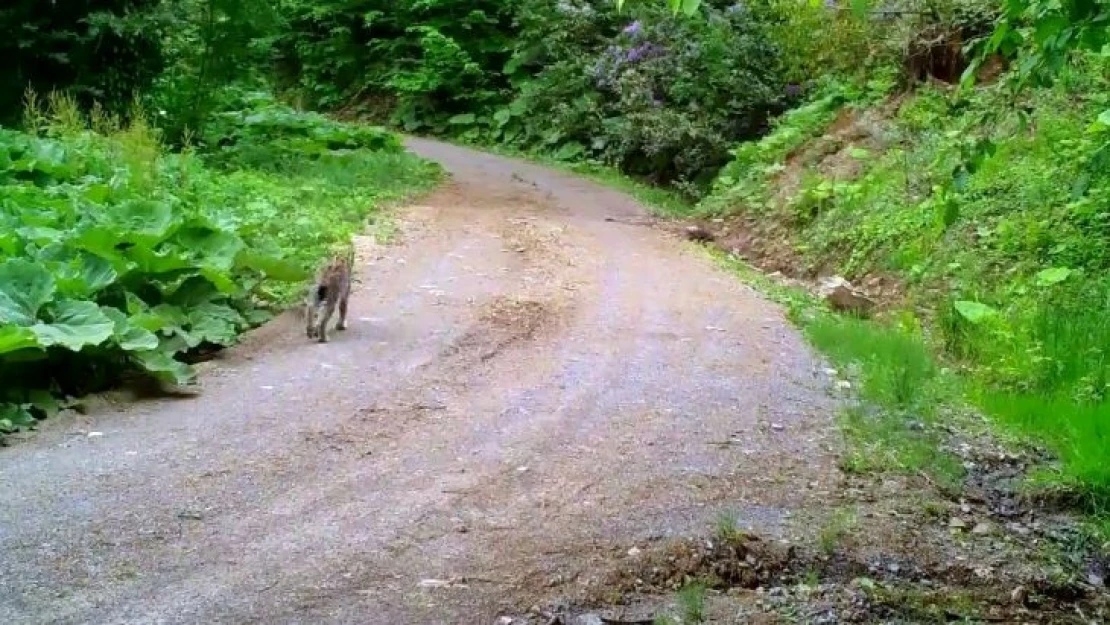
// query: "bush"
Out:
[661,98]
[116,255]
[260,130]
[656,96]
[432,58]
[104,51]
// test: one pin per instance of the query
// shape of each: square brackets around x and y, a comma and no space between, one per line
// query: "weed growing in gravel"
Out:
[691,602]
[728,529]
[835,530]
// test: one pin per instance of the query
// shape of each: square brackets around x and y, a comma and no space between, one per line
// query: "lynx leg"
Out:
[310,315]
[342,325]
[329,309]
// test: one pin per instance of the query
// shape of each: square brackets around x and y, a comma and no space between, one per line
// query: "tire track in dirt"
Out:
[527,390]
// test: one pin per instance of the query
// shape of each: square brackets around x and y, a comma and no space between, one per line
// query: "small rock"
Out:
[841,296]
[634,552]
[844,384]
[957,523]
[778,427]
[588,619]
[505,620]
[982,529]
[1095,579]
[965,508]
[95,434]
[697,233]
[1018,595]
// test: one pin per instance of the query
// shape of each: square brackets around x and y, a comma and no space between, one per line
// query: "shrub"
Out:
[103,51]
[661,98]
[261,130]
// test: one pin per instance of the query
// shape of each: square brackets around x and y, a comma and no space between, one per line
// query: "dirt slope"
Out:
[526,391]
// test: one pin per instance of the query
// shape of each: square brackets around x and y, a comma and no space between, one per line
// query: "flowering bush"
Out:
[656,96]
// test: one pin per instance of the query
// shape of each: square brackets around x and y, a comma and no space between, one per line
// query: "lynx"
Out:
[332,289]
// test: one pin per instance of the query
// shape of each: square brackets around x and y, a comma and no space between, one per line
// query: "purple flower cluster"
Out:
[643,51]
[607,70]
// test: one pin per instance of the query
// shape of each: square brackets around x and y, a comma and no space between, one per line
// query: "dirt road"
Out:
[526,391]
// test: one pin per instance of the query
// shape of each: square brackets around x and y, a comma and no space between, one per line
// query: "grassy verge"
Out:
[1001,255]
[118,254]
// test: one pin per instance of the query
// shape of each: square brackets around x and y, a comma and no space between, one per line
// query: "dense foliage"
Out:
[655,96]
[116,254]
[102,50]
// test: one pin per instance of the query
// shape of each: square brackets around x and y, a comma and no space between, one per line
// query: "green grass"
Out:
[1012,237]
[728,529]
[901,387]
[691,603]
[835,531]
[1077,434]
[894,368]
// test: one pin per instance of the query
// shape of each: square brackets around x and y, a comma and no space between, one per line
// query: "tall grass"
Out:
[895,368]
[1077,433]
[1059,390]
[900,387]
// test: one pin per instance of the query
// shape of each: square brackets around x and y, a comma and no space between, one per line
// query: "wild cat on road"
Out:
[331,290]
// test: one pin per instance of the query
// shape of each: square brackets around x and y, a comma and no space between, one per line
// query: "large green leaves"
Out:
[689,7]
[76,324]
[25,287]
[84,274]
[14,416]
[163,366]
[15,338]
[128,334]
[1051,276]
[975,312]
[272,267]
[114,253]
[213,323]
[143,221]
